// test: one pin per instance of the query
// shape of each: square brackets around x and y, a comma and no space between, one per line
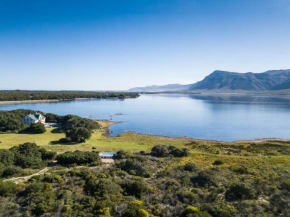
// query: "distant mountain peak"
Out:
[230,81]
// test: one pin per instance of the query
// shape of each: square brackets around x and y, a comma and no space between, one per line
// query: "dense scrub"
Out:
[27,155]
[60,95]
[143,184]
[10,121]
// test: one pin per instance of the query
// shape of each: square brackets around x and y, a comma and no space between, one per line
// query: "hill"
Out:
[223,80]
[230,81]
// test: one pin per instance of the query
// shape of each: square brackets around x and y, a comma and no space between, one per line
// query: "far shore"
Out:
[28,101]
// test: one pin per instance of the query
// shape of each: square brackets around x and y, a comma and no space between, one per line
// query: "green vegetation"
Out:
[20,95]
[141,184]
[151,176]
[37,128]
[77,129]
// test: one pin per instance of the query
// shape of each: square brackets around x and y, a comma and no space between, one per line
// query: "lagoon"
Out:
[221,117]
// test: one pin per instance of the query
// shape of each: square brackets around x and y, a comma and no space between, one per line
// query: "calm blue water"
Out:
[220,117]
[111,154]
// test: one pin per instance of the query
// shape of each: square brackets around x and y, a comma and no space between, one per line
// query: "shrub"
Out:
[285,185]
[52,178]
[160,151]
[177,152]
[220,209]
[239,191]
[133,167]
[218,162]
[6,157]
[7,188]
[27,155]
[164,151]
[11,170]
[205,178]
[122,155]
[102,187]
[137,188]
[190,167]
[78,157]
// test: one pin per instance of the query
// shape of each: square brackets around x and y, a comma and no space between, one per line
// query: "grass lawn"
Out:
[129,141]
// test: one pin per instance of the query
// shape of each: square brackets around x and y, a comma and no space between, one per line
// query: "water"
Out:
[219,117]
[108,154]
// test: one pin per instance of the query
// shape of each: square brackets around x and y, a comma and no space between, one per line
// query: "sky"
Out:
[117,45]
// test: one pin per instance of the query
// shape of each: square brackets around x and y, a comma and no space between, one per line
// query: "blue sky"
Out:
[116,45]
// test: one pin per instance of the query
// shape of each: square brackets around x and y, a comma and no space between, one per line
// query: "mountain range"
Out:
[229,81]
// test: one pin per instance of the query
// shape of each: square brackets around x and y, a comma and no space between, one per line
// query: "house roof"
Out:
[35,116]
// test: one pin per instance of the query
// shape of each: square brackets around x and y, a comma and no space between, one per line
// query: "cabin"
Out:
[32,119]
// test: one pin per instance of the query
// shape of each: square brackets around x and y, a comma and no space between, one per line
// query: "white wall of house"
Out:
[28,120]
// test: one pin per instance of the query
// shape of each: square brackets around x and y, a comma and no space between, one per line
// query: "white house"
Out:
[31,119]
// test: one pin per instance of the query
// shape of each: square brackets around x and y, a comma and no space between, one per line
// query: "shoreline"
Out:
[52,100]
[110,123]
[28,101]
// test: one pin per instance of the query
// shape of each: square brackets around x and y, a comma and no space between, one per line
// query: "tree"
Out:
[28,155]
[78,134]
[37,128]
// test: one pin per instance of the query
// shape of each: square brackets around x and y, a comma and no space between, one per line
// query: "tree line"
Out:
[19,95]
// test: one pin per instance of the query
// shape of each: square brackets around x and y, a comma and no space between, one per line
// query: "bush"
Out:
[239,191]
[137,188]
[285,185]
[52,178]
[78,157]
[190,167]
[177,152]
[205,178]
[37,128]
[102,187]
[220,209]
[6,157]
[160,151]
[218,162]
[164,151]
[27,155]
[7,188]
[122,155]
[11,170]
[133,167]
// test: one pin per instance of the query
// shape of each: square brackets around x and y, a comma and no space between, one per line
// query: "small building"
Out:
[32,119]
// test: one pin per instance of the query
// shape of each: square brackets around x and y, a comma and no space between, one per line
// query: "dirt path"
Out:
[18,180]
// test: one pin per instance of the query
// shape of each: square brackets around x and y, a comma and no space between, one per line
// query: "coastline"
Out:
[52,100]
[108,123]
[28,101]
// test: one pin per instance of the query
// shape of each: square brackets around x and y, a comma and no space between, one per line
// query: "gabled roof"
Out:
[35,116]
